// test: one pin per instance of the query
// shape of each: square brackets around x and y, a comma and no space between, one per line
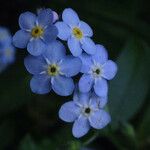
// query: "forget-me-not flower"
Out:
[53,70]
[85,112]
[5,36]
[97,70]
[7,51]
[36,31]
[77,33]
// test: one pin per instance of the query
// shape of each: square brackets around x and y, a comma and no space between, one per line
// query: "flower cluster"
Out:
[52,68]
[7,50]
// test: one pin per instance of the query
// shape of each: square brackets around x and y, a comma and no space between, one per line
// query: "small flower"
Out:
[5,36]
[7,51]
[97,69]
[77,33]
[7,54]
[36,31]
[85,112]
[53,70]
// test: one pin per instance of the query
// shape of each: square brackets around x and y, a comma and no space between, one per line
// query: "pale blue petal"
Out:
[27,20]
[80,127]
[86,62]
[70,66]
[36,47]
[70,17]
[81,98]
[86,29]
[101,54]
[69,112]
[85,83]
[45,17]
[88,45]
[100,101]
[64,32]
[55,51]
[74,46]
[40,84]
[50,34]
[101,87]
[35,65]
[99,119]
[109,70]
[62,85]
[21,39]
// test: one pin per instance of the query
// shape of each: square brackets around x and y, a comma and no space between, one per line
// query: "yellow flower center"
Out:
[37,32]
[53,70]
[77,33]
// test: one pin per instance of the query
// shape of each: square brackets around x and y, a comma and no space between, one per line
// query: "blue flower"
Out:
[53,70]
[36,31]
[7,51]
[5,36]
[77,33]
[7,54]
[97,69]
[85,112]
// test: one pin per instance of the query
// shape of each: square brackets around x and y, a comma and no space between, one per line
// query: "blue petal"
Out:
[36,47]
[100,101]
[63,86]
[80,127]
[85,83]
[55,51]
[27,20]
[101,87]
[70,66]
[5,36]
[70,17]
[34,65]
[81,98]
[109,70]
[86,62]
[63,30]
[21,39]
[101,54]
[55,16]
[50,34]
[69,112]
[7,55]
[86,29]
[74,46]
[40,84]
[99,119]
[88,45]
[45,17]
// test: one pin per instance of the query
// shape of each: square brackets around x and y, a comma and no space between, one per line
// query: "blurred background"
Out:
[30,122]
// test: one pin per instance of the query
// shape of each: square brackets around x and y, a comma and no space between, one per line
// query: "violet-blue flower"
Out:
[85,112]
[77,33]
[97,70]
[7,51]
[53,70]
[36,31]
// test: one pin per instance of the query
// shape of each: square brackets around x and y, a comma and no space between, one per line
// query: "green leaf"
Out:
[144,129]
[28,144]
[130,87]
[7,134]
